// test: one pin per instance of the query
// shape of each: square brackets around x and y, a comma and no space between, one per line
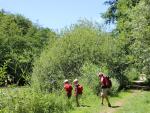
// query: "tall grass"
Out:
[25,100]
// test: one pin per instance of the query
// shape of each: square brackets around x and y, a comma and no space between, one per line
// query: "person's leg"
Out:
[102,96]
[107,91]
[109,105]
[77,100]
[102,100]
[69,96]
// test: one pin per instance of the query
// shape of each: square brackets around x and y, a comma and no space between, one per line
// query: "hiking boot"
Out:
[109,105]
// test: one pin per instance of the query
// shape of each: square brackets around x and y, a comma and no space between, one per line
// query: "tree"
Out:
[21,42]
[117,8]
[140,31]
[82,42]
[132,28]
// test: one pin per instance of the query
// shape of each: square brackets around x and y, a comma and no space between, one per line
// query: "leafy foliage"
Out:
[25,100]
[117,10]
[132,32]
[140,29]
[68,54]
[21,42]
[3,76]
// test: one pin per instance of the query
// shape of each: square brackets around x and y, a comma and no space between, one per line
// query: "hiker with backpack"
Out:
[106,84]
[68,88]
[78,91]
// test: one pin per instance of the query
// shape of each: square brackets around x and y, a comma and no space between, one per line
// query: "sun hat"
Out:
[65,81]
[75,80]
[100,74]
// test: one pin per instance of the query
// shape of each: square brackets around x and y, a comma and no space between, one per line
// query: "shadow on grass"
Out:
[115,106]
[85,106]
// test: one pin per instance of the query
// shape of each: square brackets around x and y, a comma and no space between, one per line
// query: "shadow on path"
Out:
[115,106]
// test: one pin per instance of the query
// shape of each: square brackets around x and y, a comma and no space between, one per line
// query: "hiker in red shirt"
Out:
[68,88]
[105,86]
[78,91]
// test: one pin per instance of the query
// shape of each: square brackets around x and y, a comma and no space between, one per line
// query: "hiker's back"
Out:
[80,89]
[106,82]
[68,87]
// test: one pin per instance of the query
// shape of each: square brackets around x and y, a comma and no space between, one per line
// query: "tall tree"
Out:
[20,42]
[133,28]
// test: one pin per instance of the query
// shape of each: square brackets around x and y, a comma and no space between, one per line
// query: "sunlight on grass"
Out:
[131,103]
[92,103]
[140,103]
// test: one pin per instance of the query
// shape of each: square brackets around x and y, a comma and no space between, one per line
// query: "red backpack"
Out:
[80,89]
[106,82]
[68,87]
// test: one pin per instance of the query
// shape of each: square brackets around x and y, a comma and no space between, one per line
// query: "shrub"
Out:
[2,75]
[24,100]
[90,78]
[131,74]
[89,75]
[115,86]
[67,55]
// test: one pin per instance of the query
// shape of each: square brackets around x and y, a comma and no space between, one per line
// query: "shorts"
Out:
[104,91]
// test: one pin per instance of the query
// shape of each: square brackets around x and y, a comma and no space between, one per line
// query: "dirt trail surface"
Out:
[119,103]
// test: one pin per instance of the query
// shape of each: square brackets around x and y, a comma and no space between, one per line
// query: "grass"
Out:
[91,103]
[139,103]
[131,102]
[19,100]
[25,100]
[88,104]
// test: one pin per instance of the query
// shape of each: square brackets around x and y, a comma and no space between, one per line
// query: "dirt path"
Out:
[119,103]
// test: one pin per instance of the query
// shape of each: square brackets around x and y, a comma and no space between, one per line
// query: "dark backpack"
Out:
[108,82]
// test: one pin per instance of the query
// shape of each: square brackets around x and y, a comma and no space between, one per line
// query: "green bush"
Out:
[68,54]
[2,75]
[132,74]
[90,78]
[115,87]
[25,100]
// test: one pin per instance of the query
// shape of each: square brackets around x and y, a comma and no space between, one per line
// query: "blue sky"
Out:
[56,14]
